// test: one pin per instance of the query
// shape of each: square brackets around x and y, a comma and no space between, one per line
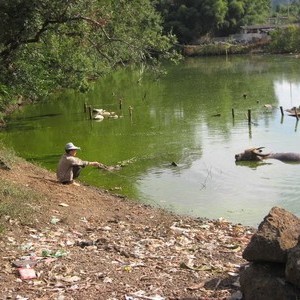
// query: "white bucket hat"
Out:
[71,146]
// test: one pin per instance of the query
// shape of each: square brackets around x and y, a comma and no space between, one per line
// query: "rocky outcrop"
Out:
[274,256]
[278,232]
[266,281]
[292,269]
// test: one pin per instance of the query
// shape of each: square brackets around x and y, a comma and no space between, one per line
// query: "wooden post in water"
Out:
[281,110]
[120,104]
[85,107]
[90,112]
[250,130]
[232,112]
[130,108]
[249,116]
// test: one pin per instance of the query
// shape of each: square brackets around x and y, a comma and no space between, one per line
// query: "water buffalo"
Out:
[255,154]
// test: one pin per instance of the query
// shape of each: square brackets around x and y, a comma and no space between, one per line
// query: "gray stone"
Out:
[238,295]
[292,269]
[4,165]
[276,234]
[266,281]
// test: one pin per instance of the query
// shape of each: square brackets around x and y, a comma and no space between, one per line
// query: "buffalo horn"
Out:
[258,151]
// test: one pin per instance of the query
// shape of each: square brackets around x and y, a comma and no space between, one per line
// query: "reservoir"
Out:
[195,115]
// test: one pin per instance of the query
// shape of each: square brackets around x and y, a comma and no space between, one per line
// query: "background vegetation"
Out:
[192,19]
[54,44]
[16,202]
[57,44]
[286,40]
[288,9]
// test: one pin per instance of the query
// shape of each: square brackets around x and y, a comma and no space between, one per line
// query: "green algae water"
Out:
[197,116]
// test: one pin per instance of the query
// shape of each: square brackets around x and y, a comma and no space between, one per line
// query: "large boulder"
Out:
[278,232]
[292,268]
[266,281]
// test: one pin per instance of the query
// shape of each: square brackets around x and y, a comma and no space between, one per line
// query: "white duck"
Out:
[98,117]
[100,114]
[98,110]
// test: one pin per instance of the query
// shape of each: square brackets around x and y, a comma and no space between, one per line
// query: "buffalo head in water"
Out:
[255,154]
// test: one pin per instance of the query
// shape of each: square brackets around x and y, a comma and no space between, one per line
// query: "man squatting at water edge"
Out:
[70,166]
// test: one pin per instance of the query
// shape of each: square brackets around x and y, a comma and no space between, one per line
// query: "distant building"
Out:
[248,34]
[254,32]
[258,29]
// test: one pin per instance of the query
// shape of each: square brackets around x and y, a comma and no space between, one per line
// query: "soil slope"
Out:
[84,243]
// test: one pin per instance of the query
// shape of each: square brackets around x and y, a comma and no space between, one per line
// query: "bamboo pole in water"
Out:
[281,110]
[130,108]
[249,116]
[90,112]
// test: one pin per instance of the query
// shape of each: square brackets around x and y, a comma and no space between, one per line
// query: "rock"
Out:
[266,281]
[292,269]
[278,232]
[274,249]
[236,296]
[4,165]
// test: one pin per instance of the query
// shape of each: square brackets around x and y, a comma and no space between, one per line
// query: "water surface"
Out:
[183,117]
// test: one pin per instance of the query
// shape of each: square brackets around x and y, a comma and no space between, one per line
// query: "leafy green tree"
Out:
[53,44]
[286,40]
[234,17]
[244,12]
[256,11]
[289,10]
[192,19]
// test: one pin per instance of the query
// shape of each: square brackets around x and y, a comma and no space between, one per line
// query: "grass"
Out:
[8,157]
[17,203]
[215,49]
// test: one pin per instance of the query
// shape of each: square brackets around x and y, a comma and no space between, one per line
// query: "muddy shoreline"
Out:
[86,243]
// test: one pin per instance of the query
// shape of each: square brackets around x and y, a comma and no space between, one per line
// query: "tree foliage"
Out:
[244,12]
[286,40]
[289,10]
[53,44]
[192,19]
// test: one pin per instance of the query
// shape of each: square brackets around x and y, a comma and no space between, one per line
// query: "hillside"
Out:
[84,243]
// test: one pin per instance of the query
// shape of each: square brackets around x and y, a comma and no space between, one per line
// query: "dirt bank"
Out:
[84,243]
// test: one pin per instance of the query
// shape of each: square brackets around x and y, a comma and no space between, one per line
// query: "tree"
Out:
[244,12]
[286,40]
[289,10]
[192,19]
[52,44]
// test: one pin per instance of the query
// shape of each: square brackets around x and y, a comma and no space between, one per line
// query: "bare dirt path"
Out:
[84,243]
